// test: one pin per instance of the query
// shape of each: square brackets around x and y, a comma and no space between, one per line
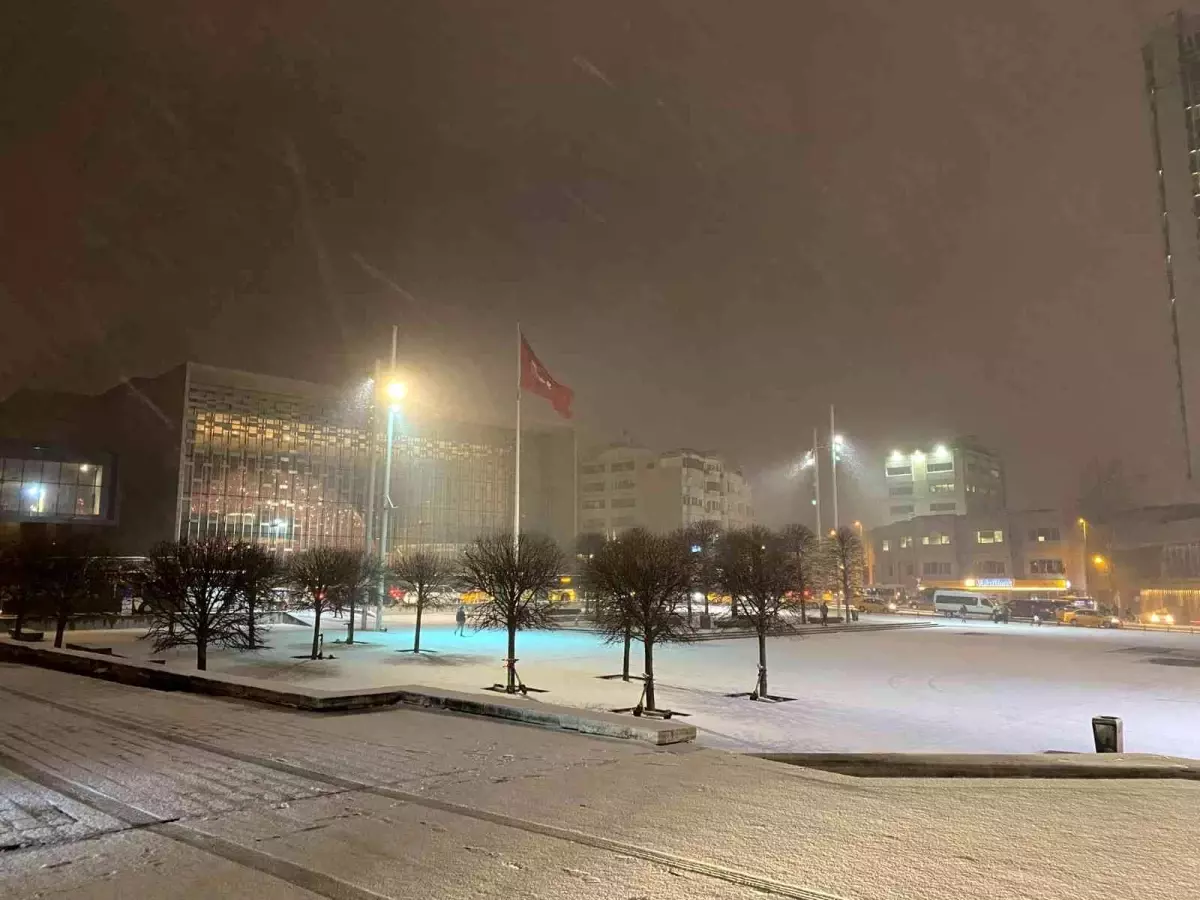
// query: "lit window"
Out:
[905,542]
[885,546]
[989,537]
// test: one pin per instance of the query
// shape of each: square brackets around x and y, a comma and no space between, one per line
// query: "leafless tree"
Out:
[424,574]
[642,580]
[360,573]
[754,566]
[261,574]
[808,563]
[846,556]
[23,569]
[195,589]
[701,538]
[75,572]
[515,577]
[317,578]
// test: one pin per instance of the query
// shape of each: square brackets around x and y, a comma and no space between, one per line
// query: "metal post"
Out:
[517,461]
[388,506]
[817,483]
[373,432]
[833,466]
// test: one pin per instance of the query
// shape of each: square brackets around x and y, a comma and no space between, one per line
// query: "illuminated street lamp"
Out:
[396,391]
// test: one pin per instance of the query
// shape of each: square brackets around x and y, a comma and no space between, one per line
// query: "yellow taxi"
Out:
[876,605]
[1088,618]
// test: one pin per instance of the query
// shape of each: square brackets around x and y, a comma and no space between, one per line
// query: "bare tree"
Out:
[23,568]
[587,545]
[846,555]
[642,579]
[261,574]
[515,577]
[361,572]
[808,563]
[755,567]
[317,577]
[75,571]
[424,574]
[701,538]
[195,587]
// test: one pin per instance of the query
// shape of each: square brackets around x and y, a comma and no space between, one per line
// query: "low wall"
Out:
[518,709]
[104,621]
[994,765]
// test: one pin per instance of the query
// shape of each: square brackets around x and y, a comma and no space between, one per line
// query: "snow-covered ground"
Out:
[976,687]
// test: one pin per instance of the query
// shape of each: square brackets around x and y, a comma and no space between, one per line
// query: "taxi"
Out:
[1088,618]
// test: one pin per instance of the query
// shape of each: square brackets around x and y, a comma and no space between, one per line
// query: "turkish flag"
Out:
[536,380]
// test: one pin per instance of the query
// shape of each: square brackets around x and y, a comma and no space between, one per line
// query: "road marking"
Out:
[670,860]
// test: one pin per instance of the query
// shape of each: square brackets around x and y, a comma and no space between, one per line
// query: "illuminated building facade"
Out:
[955,479]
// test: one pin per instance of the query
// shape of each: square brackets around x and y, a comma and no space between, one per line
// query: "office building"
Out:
[622,487]
[202,451]
[959,478]
[1172,67]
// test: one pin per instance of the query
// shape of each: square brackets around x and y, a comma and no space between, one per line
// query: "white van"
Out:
[950,603]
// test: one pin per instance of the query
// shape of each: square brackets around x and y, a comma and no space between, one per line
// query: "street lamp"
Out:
[396,391]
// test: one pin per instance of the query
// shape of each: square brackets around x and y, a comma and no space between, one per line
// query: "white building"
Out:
[943,479]
[623,487]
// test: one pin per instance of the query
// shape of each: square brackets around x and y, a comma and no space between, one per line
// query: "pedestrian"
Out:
[962,612]
[1037,620]
[824,613]
[460,619]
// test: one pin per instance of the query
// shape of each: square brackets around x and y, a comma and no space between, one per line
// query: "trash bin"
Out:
[1109,734]
[853,615]
[705,620]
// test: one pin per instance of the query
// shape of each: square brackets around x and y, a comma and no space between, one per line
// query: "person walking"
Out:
[460,619]
[824,613]
[962,613]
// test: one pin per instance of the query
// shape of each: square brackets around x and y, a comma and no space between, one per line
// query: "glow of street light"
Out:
[941,451]
[838,440]
[896,457]
[917,456]
[1098,560]
[397,390]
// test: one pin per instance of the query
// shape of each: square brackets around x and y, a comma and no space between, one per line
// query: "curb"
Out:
[803,631]
[993,765]
[518,709]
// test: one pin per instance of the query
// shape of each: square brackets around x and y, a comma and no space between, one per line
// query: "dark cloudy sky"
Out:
[712,218]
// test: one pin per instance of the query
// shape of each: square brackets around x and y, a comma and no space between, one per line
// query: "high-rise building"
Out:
[1172,63]
[622,487]
[955,479]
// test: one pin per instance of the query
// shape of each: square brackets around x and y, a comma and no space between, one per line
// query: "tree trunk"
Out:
[648,644]
[60,625]
[689,607]
[316,630]
[20,621]
[250,604]
[762,664]
[350,623]
[201,651]
[625,662]
[706,601]
[417,630]
[510,685]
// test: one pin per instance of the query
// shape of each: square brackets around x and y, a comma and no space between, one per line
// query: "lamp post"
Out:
[395,391]
[1083,524]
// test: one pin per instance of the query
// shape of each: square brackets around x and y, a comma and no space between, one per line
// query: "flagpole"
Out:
[517,462]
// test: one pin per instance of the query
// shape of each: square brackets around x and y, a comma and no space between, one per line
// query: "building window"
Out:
[905,542]
[935,568]
[989,537]
[890,569]
[943,487]
[623,502]
[992,567]
[1047,567]
[900,490]
[591,470]
[945,466]
[592,487]
[623,521]
[36,487]
[908,569]
[943,507]
[625,484]
[899,470]
[1044,535]
[690,462]
[936,537]
[592,504]
[627,466]
[592,524]
[885,546]
[713,487]
[902,510]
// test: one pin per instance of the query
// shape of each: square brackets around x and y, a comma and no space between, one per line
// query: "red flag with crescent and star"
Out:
[537,380]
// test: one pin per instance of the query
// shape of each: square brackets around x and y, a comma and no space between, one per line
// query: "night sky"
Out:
[712,219]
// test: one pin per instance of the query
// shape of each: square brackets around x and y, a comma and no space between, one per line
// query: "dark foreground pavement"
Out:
[113,791]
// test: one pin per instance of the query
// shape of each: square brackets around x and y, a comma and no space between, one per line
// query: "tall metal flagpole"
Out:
[817,483]
[517,461]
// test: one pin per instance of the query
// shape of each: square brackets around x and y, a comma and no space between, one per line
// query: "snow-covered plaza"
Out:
[950,687]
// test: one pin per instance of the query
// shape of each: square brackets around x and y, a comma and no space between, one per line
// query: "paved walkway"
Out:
[116,791]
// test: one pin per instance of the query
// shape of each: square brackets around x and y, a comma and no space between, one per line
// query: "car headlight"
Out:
[1115,621]
[1154,618]
[1170,620]
[891,607]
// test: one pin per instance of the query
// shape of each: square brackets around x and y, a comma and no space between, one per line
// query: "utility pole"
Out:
[817,482]
[833,442]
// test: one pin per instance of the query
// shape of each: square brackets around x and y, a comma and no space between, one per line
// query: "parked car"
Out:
[877,605]
[1089,618]
[1157,617]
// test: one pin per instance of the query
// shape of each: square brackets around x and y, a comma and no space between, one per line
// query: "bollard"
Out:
[1109,734]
